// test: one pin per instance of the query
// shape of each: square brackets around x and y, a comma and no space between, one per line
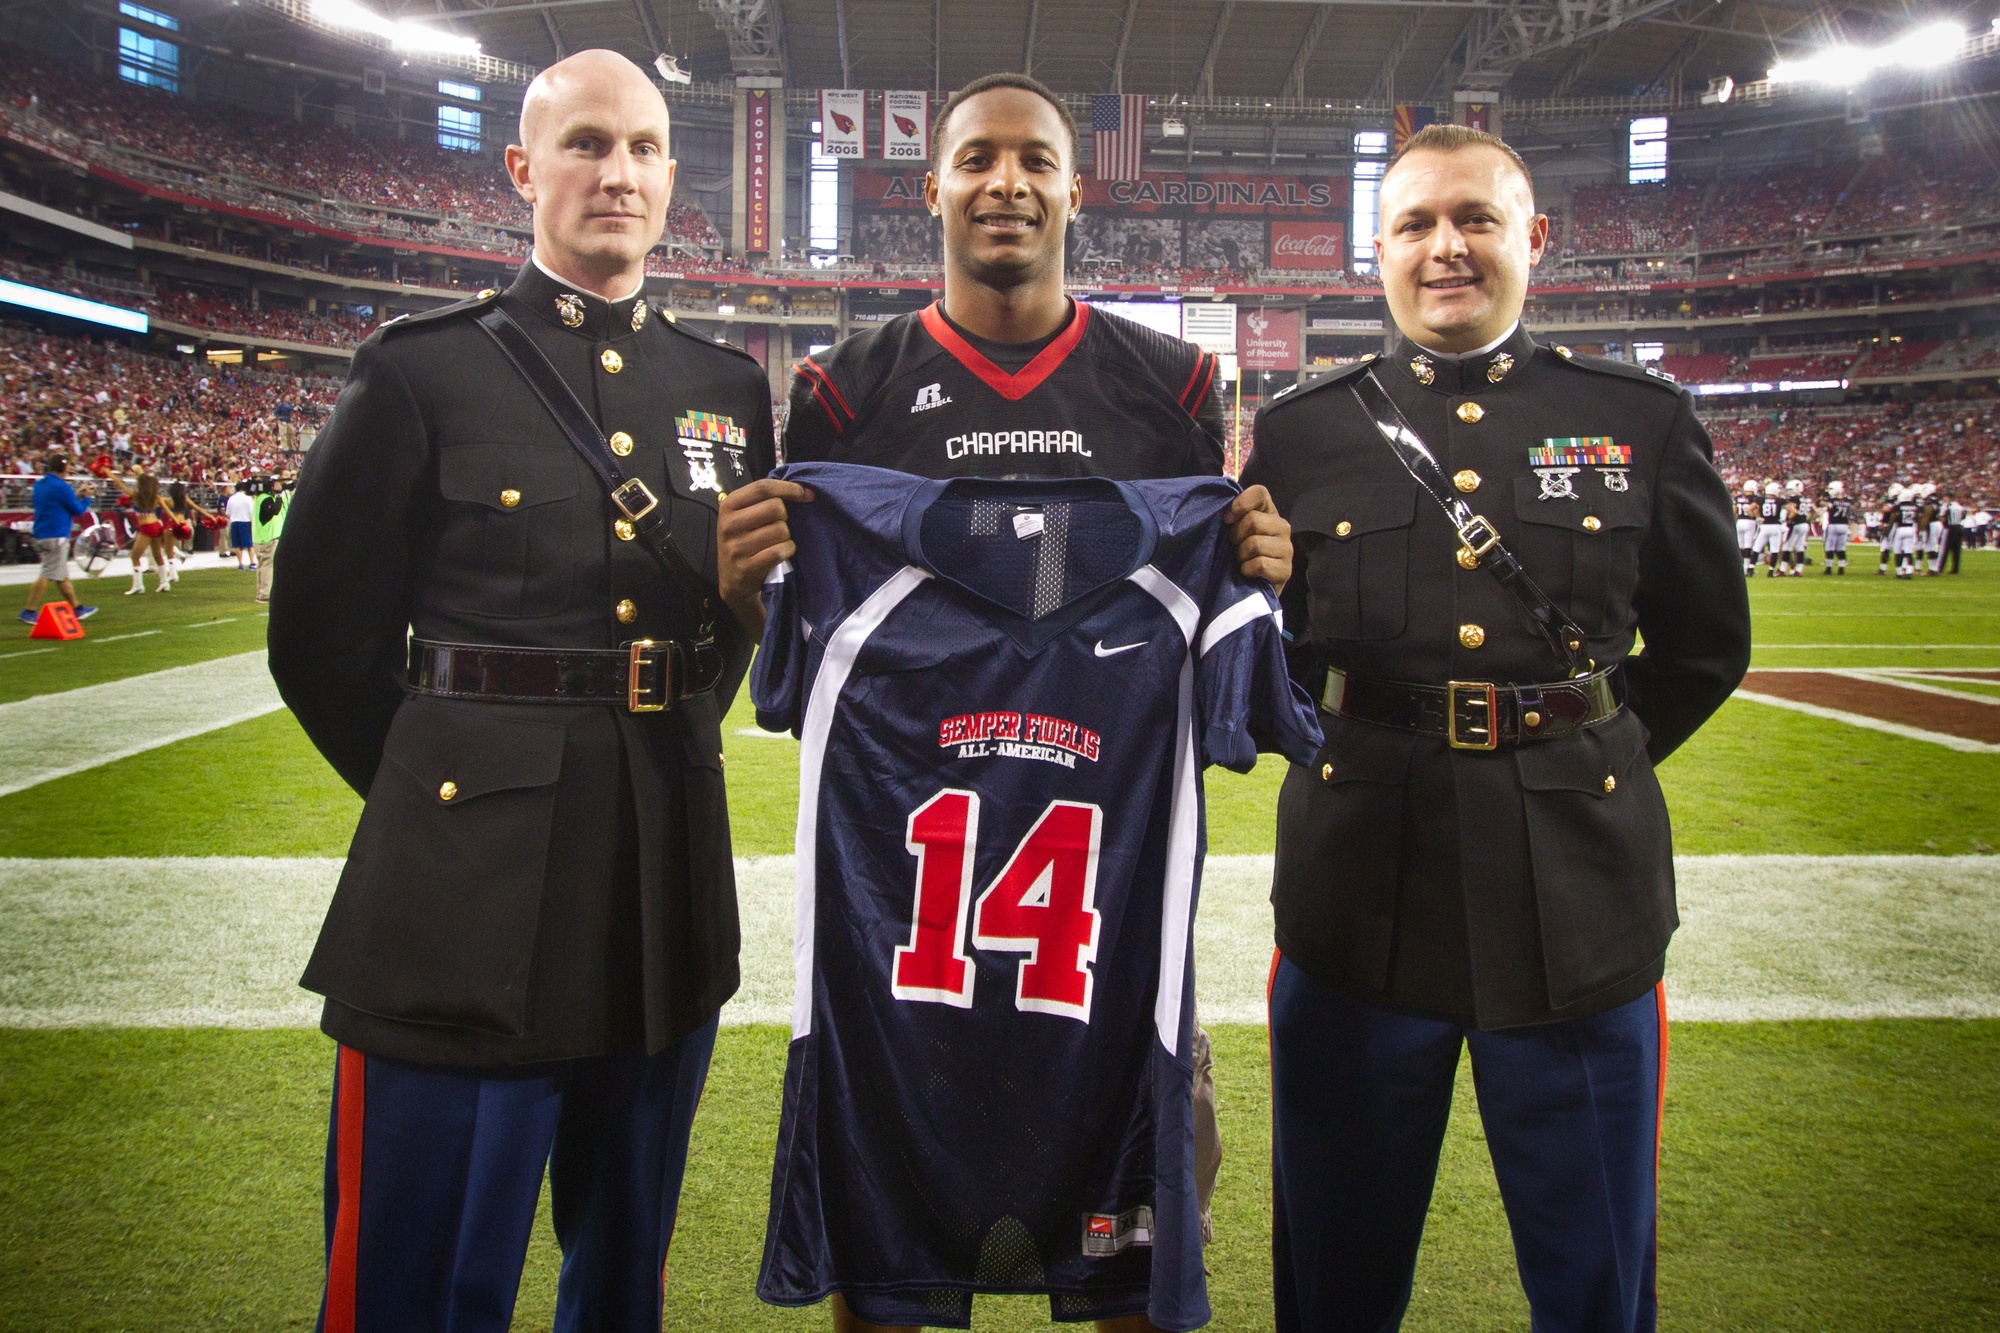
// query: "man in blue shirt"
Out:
[57,507]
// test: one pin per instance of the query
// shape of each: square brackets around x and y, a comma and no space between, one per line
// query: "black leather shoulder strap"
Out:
[630,496]
[1480,540]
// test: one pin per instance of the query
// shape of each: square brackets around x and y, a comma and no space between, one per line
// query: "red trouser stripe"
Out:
[350,1102]
[1660,1109]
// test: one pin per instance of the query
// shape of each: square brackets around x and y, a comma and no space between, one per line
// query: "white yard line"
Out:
[179,942]
[54,735]
[1945,739]
[135,634]
[1906,683]
[1876,647]
[27,652]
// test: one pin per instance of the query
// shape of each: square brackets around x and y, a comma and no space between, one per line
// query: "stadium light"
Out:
[1844,66]
[403,36]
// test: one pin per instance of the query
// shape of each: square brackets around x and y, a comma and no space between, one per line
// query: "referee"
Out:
[1480,857]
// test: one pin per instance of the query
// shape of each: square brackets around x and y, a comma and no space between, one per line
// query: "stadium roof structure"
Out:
[1226,56]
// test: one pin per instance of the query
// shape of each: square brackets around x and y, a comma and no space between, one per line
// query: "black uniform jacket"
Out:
[1525,884]
[529,881]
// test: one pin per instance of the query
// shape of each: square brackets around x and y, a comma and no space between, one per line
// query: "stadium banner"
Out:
[757,170]
[1227,195]
[1410,120]
[1268,339]
[1210,325]
[843,114]
[906,125]
[1320,246]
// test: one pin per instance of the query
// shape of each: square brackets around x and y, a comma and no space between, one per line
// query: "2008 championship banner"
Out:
[906,121]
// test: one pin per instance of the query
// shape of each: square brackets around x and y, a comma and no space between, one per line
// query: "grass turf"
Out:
[211,613]
[1814,1176]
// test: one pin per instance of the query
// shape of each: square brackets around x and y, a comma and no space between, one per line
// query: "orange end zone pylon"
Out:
[57,621]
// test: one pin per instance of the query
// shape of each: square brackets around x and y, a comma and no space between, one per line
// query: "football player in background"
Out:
[1006,376]
[1839,520]
[1746,525]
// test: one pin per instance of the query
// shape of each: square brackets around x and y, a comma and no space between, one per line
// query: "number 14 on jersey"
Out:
[1041,904]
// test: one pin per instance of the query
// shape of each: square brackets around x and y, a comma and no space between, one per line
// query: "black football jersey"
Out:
[1106,397]
[1800,514]
[1771,511]
[1839,511]
[1906,514]
[1746,506]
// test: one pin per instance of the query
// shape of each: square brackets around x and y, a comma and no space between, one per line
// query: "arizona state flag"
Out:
[1410,119]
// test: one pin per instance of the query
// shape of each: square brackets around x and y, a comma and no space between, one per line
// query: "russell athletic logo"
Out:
[931,395]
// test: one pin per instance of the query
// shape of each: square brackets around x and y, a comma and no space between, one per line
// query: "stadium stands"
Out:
[1955,444]
[1702,368]
[105,404]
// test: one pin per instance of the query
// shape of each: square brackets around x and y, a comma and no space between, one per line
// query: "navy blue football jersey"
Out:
[1005,692]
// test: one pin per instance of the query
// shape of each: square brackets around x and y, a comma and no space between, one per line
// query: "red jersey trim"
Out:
[1203,361]
[1011,387]
[822,386]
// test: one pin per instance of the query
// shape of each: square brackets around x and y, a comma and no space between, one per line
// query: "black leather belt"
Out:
[644,676]
[1477,714]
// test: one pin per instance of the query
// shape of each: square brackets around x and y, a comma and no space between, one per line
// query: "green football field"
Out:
[1831,1158]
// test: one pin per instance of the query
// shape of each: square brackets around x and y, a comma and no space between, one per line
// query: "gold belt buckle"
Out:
[1482,692]
[651,501]
[639,657]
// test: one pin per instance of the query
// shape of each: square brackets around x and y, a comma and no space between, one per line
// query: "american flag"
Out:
[1118,135]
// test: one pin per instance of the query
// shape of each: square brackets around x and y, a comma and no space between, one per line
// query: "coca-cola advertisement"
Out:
[1308,245]
[1267,339]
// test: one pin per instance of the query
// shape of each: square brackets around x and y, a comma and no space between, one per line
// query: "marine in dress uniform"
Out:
[1481,853]
[536,925]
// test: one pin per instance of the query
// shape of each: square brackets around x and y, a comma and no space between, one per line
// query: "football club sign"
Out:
[757,171]
[906,125]
[842,118]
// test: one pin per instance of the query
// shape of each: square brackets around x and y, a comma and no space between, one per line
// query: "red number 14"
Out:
[1042,904]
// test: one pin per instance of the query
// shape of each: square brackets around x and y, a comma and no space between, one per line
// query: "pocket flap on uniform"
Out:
[472,748]
[1593,760]
[494,474]
[1612,509]
[1362,752]
[1346,512]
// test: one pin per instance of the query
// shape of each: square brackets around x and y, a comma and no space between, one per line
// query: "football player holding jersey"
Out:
[1006,376]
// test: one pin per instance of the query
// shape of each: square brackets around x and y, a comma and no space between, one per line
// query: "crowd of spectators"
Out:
[1954,443]
[109,407]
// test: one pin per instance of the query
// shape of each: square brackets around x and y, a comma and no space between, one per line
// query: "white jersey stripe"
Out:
[841,650]
[1177,892]
[1235,618]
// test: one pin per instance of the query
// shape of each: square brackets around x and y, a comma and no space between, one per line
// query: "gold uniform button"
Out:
[1342,528]
[509,498]
[621,443]
[447,791]
[1471,635]
[623,527]
[611,361]
[1564,352]
[1467,558]
[1467,481]
[1610,783]
[488,293]
[1470,412]
[1326,772]
[1531,719]
[626,612]
[1592,523]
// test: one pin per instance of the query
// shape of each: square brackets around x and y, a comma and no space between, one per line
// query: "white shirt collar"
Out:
[536,260]
[1442,356]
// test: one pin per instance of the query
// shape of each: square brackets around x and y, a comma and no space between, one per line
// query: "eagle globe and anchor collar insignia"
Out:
[569,309]
[702,435]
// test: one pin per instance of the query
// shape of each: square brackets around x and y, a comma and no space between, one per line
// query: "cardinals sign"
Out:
[906,124]
[842,116]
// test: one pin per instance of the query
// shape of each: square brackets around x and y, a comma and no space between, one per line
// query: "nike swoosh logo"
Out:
[1102,651]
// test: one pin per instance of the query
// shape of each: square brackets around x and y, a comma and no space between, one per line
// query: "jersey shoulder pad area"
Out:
[1604,365]
[402,324]
[673,325]
[1346,374]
